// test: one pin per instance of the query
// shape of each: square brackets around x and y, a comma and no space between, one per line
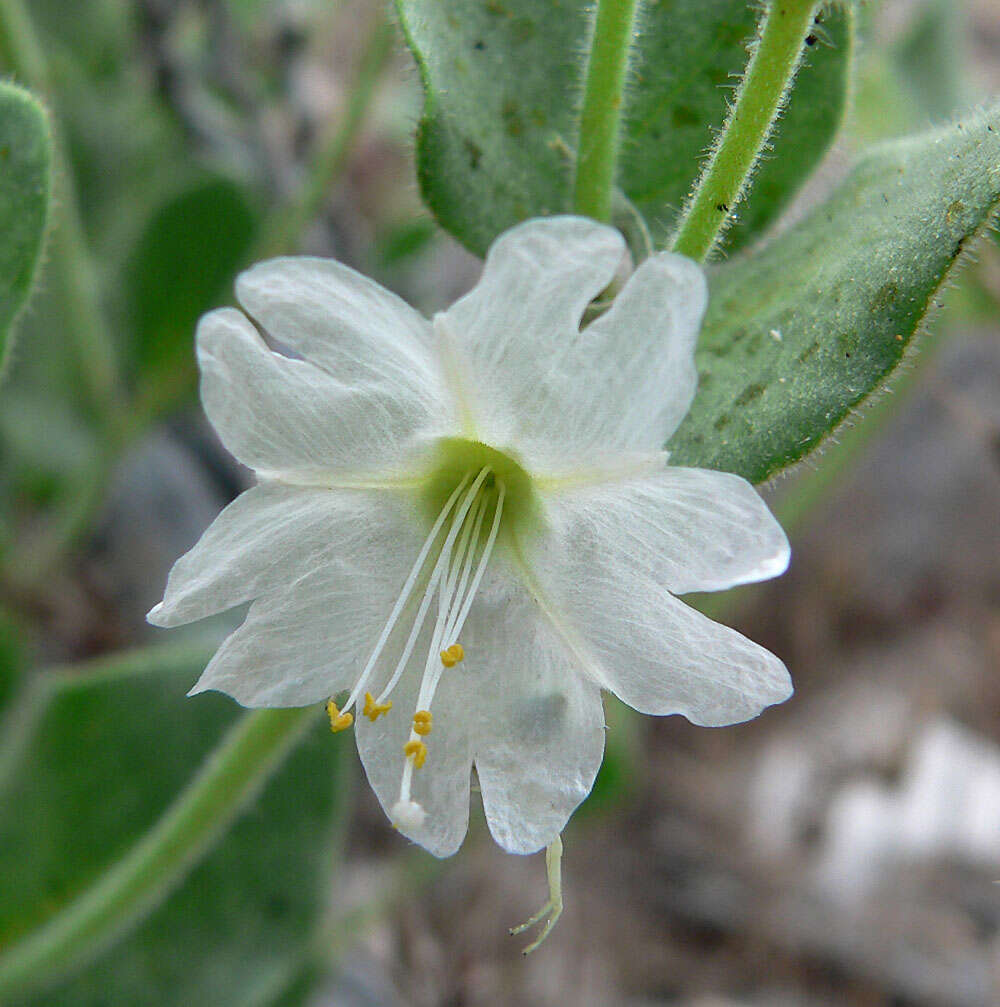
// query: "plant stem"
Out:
[602,106]
[72,265]
[285,227]
[230,777]
[775,58]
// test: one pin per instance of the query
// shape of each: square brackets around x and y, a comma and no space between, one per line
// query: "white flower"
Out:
[494,477]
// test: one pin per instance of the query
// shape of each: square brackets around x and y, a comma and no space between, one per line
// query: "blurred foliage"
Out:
[25,193]
[916,79]
[183,263]
[13,658]
[90,761]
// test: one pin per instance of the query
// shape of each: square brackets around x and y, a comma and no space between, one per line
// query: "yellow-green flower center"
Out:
[455,458]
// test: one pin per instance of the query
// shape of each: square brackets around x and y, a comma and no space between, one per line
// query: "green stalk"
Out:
[774,61]
[597,152]
[229,778]
[71,263]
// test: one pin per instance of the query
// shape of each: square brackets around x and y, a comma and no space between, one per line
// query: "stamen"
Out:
[450,581]
[338,721]
[468,545]
[452,655]
[459,623]
[374,710]
[407,590]
[435,579]
[417,751]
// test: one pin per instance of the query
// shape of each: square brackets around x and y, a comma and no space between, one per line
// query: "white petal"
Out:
[635,638]
[685,529]
[287,417]
[317,615]
[625,382]
[539,729]
[265,539]
[343,322]
[520,320]
[442,787]
[304,644]
[639,356]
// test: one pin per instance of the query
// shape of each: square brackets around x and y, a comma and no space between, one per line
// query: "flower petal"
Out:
[345,323]
[521,318]
[287,418]
[273,534]
[266,538]
[636,639]
[325,574]
[623,384]
[639,360]
[305,643]
[685,529]
[442,786]
[539,729]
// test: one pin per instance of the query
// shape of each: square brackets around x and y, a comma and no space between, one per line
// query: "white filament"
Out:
[404,594]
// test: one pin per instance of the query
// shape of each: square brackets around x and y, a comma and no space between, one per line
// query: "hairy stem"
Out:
[775,58]
[602,106]
[121,897]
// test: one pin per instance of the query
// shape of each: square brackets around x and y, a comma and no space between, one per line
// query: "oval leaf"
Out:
[803,331]
[503,82]
[90,762]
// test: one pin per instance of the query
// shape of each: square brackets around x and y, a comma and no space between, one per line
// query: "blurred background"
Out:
[842,849]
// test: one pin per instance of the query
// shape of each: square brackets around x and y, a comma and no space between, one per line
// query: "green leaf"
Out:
[799,334]
[503,79]
[90,762]
[25,191]
[181,266]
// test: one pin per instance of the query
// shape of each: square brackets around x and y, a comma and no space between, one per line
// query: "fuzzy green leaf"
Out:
[799,334]
[503,81]
[90,762]
[25,194]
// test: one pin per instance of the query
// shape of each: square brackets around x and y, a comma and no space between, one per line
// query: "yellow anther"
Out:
[417,751]
[423,721]
[338,721]
[450,656]
[375,710]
